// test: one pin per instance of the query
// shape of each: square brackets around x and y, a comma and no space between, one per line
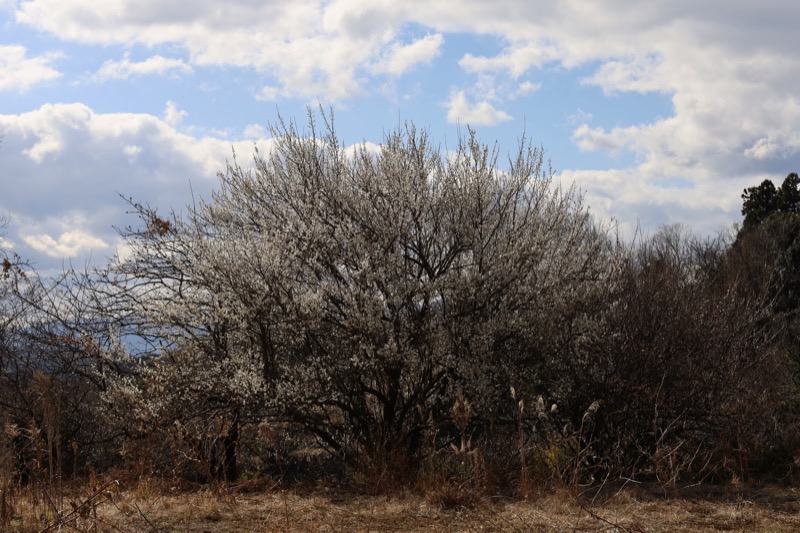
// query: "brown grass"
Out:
[146,506]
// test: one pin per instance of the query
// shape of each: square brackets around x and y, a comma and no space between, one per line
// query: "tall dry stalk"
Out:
[7,474]
[51,420]
[524,478]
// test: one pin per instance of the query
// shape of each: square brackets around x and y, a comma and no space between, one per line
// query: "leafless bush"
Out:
[687,366]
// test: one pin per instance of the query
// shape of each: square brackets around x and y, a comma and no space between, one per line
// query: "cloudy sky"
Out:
[661,113]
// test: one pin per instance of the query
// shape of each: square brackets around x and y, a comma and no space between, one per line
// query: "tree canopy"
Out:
[405,312]
[764,200]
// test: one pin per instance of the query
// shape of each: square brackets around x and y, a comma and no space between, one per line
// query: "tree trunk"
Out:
[230,442]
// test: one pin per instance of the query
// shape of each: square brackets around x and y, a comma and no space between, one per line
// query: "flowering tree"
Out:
[184,367]
[369,285]
[355,292]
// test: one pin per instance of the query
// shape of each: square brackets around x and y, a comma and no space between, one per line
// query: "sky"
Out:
[660,113]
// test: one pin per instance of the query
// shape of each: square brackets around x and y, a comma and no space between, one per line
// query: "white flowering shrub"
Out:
[352,292]
[367,286]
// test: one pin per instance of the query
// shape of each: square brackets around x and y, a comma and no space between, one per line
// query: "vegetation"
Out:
[147,507]
[403,318]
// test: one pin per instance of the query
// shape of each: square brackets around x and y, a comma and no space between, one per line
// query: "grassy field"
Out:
[147,507]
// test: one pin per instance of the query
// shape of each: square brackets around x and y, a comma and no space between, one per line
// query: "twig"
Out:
[149,523]
[608,522]
[60,520]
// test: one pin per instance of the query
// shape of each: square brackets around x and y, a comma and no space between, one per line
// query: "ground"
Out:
[147,507]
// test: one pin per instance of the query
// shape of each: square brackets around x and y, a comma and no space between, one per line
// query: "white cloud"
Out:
[69,164]
[68,244]
[402,58]
[526,87]
[269,93]
[49,143]
[254,131]
[515,60]
[498,80]
[172,115]
[638,198]
[639,73]
[310,53]
[125,69]
[730,69]
[123,250]
[19,72]
[461,111]
[580,117]
[769,148]
[594,139]
[132,151]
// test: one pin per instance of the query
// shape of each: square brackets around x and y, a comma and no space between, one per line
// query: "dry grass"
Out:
[147,507]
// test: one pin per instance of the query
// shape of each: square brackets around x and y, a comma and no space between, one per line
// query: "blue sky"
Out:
[660,113]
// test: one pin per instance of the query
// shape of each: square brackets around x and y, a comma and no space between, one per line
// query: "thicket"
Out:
[406,316]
